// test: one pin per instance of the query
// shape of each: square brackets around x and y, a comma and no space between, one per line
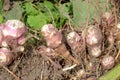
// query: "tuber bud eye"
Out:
[5,56]
[108,62]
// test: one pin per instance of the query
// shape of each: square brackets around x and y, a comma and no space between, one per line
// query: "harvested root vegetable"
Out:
[12,36]
[54,40]
[108,17]
[14,29]
[5,57]
[52,36]
[93,40]
[47,51]
[108,62]
[21,40]
[110,38]
[14,33]
[95,51]
[93,36]
[62,50]
[74,41]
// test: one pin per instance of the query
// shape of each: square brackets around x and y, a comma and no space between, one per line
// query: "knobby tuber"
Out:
[118,25]
[43,50]
[12,38]
[75,41]
[53,38]
[5,56]
[108,62]
[14,30]
[108,18]
[93,40]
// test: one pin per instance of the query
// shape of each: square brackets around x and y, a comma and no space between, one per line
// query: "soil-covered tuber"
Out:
[108,18]
[12,38]
[5,57]
[75,41]
[53,38]
[14,28]
[95,51]
[43,50]
[108,62]
[93,40]
[13,34]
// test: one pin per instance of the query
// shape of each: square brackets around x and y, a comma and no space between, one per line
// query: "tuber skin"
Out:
[1,37]
[74,41]
[13,34]
[47,51]
[14,29]
[93,40]
[108,62]
[108,18]
[53,39]
[5,57]
[95,51]
[52,36]
[93,36]
[12,38]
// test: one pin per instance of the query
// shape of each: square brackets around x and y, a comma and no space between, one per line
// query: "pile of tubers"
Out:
[12,39]
[95,38]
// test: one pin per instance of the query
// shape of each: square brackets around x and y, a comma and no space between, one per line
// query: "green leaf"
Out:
[64,11]
[82,10]
[29,0]
[49,5]
[1,5]
[14,13]
[1,18]
[30,9]
[37,21]
[113,74]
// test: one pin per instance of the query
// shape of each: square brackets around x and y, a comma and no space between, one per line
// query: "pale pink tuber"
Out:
[95,51]
[75,41]
[93,36]
[54,40]
[14,32]
[109,18]
[93,40]
[52,36]
[14,28]
[5,56]
[108,62]
[21,40]
[43,50]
